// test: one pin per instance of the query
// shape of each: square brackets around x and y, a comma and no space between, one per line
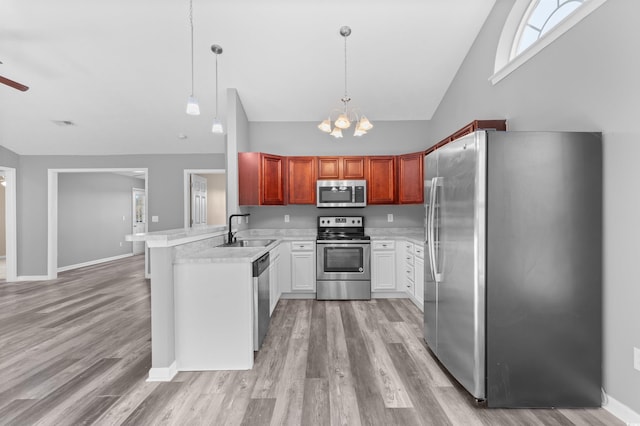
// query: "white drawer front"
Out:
[302,245]
[383,245]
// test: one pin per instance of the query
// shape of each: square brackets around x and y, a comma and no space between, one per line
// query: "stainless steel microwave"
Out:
[341,193]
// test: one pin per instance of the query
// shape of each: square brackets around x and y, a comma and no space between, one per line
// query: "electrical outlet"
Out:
[390,217]
[239,219]
[286,218]
[636,358]
[124,218]
[155,219]
[246,219]
[120,243]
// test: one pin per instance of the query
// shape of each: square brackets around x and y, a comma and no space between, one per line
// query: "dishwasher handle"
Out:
[260,265]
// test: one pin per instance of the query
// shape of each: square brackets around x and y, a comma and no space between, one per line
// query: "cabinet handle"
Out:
[408,257]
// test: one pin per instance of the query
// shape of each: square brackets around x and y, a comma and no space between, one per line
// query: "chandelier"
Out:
[345,115]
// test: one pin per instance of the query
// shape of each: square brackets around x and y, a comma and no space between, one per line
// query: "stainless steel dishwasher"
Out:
[261,293]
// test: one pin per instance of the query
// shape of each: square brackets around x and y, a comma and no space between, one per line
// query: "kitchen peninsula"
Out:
[201,301]
[197,248]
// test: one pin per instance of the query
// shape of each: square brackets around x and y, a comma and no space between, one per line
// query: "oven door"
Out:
[343,261]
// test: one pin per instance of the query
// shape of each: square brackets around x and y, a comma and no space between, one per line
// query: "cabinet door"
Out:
[328,168]
[411,178]
[353,168]
[383,270]
[302,180]
[272,180]
[249,170]
[303,266]
[303,277]
[381,182]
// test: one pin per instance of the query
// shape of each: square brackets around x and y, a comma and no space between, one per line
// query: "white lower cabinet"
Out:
[303,266]
[383,266]
[410,262]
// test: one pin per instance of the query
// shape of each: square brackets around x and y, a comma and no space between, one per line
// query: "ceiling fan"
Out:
[14,84]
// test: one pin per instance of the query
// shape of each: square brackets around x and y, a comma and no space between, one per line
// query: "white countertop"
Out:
[173,237]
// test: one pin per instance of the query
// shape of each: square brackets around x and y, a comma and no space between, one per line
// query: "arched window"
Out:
[540,18]
[534,24]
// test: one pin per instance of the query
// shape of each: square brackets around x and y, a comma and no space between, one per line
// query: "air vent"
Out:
[63,123]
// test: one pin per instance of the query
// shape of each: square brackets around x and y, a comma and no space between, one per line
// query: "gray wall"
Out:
[91,208]
[304,217]
[8,158]
[165,197]
[586,80]
[304,138]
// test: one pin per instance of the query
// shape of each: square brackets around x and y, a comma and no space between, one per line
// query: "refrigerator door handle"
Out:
[433,260]
[430,231]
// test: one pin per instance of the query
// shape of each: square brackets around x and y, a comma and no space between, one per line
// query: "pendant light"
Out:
[345,115]
[193,108]
[217,125]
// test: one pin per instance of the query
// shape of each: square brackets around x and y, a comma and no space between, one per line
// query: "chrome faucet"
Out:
[230,237]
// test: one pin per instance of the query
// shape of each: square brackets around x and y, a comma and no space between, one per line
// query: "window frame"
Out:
[505,62]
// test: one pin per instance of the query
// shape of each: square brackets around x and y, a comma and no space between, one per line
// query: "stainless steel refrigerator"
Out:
[513,275]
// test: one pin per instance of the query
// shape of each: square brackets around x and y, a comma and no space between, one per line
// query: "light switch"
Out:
[390,217]
[286,218]
[155,218]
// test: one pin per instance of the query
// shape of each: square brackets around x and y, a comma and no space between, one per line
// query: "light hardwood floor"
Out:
[76,351]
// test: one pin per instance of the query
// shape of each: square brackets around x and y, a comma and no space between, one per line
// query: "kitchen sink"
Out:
[247,243]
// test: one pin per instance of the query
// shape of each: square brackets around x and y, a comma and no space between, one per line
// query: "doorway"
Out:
[53,207]
[205,197]
[138,217]
[8,225]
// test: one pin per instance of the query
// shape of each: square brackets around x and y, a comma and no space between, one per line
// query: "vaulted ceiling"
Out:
[120,71]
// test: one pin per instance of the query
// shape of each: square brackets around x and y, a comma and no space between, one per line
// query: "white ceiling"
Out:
[120,70]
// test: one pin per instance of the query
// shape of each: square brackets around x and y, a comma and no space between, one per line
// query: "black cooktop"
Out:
[342,237]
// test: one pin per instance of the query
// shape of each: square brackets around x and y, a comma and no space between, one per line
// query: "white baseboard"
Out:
[388,295]
[94,262]
[163,374]
[298,296]
[32,278]
[621,411]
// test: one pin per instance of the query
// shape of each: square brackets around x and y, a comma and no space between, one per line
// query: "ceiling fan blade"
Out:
[14,84]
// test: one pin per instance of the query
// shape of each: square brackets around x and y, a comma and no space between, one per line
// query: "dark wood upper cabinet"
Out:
[341,168]
[381,180]
[260,179]
[411,178]
[499,125]
[353,168]
[302,180]
[328,168]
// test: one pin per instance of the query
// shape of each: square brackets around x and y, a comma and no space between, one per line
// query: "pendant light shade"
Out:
[346,116]
[342,122]
[217,126]
[325,126]
[193,108]
[336,132]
